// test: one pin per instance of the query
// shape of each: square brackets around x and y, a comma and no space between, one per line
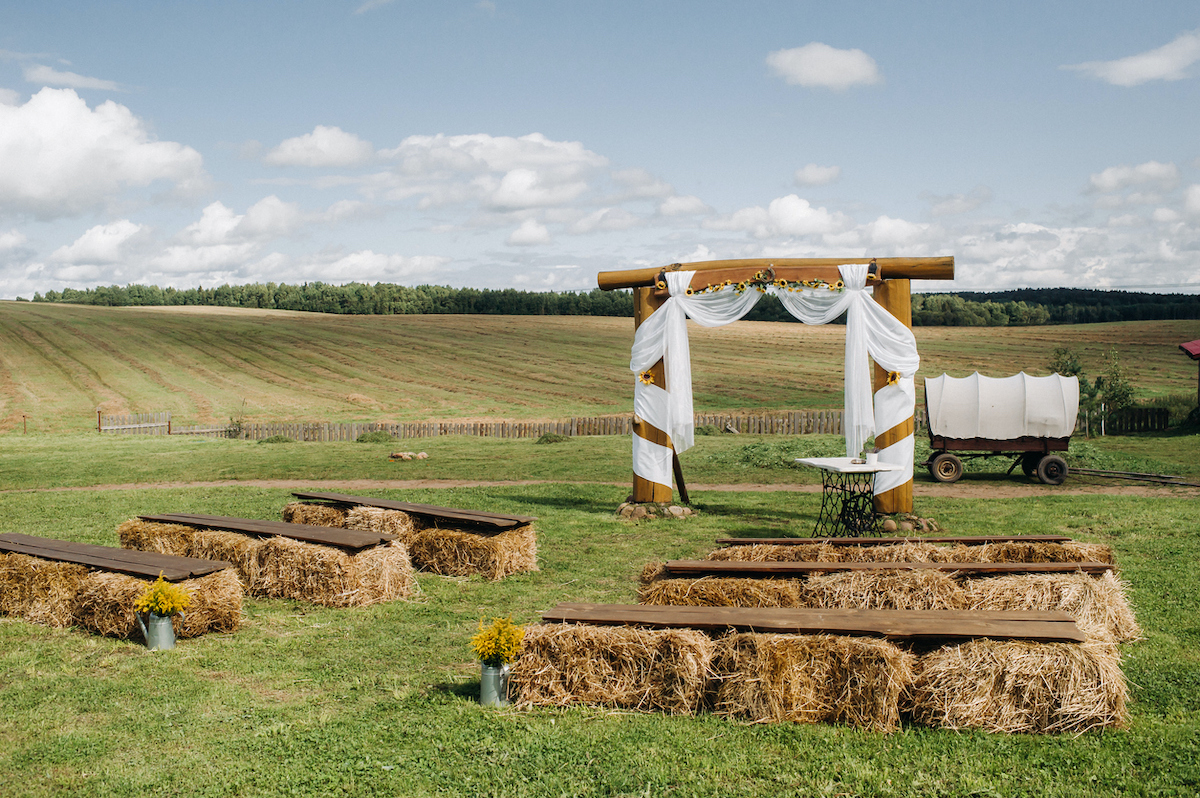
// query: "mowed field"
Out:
[59,364]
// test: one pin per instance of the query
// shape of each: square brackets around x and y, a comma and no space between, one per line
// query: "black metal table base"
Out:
[847,505]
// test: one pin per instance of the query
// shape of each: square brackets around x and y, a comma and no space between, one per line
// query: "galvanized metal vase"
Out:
[493,685]
[158,631]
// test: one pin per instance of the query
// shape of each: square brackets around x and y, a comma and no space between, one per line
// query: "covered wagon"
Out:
[1023,417]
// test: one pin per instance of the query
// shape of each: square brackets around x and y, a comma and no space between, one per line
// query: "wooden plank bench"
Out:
[496,521]
[350,539]
[125,561]
[745,568]
[908,625]
[970,540]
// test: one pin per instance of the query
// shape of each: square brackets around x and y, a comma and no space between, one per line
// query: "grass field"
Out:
[311,701]
[60,363]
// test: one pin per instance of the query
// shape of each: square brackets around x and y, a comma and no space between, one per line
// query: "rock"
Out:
[675,511]
[422,456]
[889,525]
[639,512]
[906,526]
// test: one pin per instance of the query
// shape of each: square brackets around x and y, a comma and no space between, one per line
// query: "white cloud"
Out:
[324,147]
[530,233]
[369,266]
[1164,176]
[371,5]
[785,216]
[9,97]
[1169,62]
[501,172]
[640,183]
[11,240]
[819,65]
[62,158]
[100,244]
[605,220]
[683,206]
[888,232]
[1191,201]
[46,76]
[814,175]
[954,204]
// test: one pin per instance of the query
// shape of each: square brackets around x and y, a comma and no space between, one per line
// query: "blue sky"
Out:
[531,145]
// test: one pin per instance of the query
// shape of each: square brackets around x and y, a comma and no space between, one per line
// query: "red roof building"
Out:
[1191,349]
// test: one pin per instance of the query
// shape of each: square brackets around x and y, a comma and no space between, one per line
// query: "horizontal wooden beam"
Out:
[939,268]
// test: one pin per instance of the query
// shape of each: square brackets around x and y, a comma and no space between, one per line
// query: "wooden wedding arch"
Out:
[890,279]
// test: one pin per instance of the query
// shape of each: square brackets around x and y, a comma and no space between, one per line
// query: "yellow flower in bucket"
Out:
[162,598]
[498,644]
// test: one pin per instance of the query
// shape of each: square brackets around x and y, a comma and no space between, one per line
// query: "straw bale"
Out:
[215,606]
[882,590]
[314,514]
[915,551]
[380,520]
[650,572]
[1018,551]
[329,576]
[104,604]
[767,678]
[243,551]
[772,552]
[163,538]
[1020,686]
[1099,605]
[37,590]
[721,592]
[653,670]
[452,552]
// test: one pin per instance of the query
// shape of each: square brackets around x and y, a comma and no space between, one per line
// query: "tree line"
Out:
[1021,307]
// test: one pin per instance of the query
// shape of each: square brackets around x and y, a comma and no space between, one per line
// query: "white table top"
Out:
[847,465]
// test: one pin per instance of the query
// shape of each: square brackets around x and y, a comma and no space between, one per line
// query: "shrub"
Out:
[552,437]
[277,439]
[379,436]
[708,429]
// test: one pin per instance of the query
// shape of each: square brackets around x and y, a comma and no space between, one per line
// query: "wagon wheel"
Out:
[946,468]
[1052,469]
[1029,463]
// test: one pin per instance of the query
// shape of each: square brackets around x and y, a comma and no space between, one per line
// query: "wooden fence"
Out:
[784,422]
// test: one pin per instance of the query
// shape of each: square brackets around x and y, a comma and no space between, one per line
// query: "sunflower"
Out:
[646,377]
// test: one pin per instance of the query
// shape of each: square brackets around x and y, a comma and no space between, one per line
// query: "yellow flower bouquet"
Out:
[499,643]
[162,598]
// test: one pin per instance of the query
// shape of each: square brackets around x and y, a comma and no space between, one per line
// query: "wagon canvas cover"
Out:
[1002,408]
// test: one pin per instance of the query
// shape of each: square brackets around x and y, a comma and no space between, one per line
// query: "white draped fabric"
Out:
[870,330]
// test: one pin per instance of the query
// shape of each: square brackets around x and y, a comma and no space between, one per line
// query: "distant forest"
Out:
[1022,307]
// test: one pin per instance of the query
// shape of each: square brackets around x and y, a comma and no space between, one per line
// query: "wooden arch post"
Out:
[890,277]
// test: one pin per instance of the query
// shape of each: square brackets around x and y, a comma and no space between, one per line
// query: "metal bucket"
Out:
[493,685]
[158,631]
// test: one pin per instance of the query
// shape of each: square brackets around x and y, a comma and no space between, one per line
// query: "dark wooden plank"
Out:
[747,568]
[970,540]
[891,624]
[478,517]
[146,564]
[329,536]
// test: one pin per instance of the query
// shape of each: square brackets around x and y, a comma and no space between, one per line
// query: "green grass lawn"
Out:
[305,700]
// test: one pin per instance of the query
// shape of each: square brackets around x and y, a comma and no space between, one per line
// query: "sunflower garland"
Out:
[762,280]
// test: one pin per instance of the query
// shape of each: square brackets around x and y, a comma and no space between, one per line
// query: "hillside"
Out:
[60,363]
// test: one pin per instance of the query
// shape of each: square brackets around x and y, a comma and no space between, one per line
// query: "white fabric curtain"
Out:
[870,330]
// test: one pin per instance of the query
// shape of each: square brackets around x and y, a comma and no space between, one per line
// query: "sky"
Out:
[530,145]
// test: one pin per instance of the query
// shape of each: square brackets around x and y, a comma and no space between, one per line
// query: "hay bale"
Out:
[1018,551]
[452,552]
[882,590]
[916,551]
[773,552]
[37,590]
[334,578]
[215,606]
[244,552]
[1018,686]
[720,592]
[767,678]
[314,514]
[163,538]
[652,670]
[104,604]
[381,521]
[1099,605]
